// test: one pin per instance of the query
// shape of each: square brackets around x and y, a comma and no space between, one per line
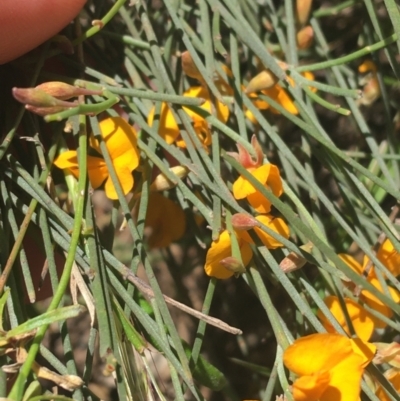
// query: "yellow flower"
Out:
[165,221]
[280,95]
[388,255]
[366,296]
[274,223]
[269,176]
[120,139]
[220,250]
[168,127]
[362,321]
[371,89]
[329,366]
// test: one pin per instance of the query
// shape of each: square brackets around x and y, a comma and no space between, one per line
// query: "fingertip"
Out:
[25,24]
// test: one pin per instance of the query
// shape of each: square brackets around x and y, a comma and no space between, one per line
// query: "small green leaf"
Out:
[57,315]
[131,333]
[33,390]
[205,373]
[3,301]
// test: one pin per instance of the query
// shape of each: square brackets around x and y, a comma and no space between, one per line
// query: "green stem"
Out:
[350,57]
[18,388]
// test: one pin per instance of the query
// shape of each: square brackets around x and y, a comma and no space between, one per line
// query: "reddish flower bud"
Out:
[294,261]
[189,67]
[39,98]
[45,111]
[233,264]
[243,222]
[64,91]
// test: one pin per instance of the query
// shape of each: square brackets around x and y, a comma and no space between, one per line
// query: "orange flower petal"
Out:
[274,181]
[120,139]
[275,224]
[168,128]
[375,303]
[329,364]
[221,249]
[259,202]
[97,169]
[348,259]
[166,219]
[388,255]
[311,388]
[362,321]
[242,187]
[280,95]
[201,92]
[316,352]
[125,179]
[364,349]
[345,383]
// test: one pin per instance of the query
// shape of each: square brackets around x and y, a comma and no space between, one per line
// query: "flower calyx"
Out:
[245,158]
[234,265]
[243,222]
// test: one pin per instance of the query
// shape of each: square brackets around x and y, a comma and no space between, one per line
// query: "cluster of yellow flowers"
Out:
[219,256]
[329,366]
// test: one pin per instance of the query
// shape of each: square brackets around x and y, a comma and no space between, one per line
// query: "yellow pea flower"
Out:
[220,250]
[168,127]
[121,141]
[366,296]
[362,321]
[275,92]
[267,174]
[329,366]
[388,255]
[165,221]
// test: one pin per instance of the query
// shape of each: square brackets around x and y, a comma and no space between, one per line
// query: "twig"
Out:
[148,292]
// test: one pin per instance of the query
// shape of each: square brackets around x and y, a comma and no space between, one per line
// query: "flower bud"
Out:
[233,264]
[303,11]
[39,98]
[305,37]
[264,80]
[45,111]
[161,182]
[294,261]
[243,222]
[189,67]
[64,91]
[367,66]
[34,97]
